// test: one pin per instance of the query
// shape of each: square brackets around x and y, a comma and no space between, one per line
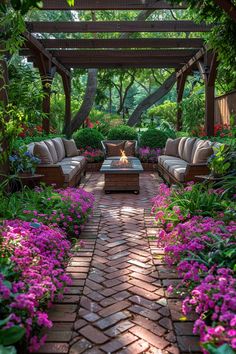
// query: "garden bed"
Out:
[149,166]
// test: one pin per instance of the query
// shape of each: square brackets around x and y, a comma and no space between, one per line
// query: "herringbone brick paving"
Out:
[118,301]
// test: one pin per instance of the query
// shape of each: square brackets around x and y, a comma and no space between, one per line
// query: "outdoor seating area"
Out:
[117,177]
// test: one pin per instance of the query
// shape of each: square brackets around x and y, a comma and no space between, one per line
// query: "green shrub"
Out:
[88,137]
[154,138]
[123,132]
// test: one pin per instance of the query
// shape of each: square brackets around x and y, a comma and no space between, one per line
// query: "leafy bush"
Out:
[166,111]
[123,132]
[193,111]
[88,137]
[153,138]
[166,127]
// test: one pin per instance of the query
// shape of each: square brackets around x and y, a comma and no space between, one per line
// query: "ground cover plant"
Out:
[67,208]
[33,257]
[199,238]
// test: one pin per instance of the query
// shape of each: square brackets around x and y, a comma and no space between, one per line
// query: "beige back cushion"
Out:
[114,149]
[188,148]
[60,149]
[202,154]
[129,148]
[42,152]
[52,150]
[181,147]
[198,145]
[171,148]
[70,147]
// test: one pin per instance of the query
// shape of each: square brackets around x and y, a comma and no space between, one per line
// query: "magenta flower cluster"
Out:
[147,154]
[214,300]
[198,247]
[71,207]
[92,155]
[38,256]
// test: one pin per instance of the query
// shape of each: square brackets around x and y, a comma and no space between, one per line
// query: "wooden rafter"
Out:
[35,45]
[123,43]
[116,26]
[228,7]
[111,5]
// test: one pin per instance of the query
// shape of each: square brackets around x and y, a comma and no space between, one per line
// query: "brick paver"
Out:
[118,302]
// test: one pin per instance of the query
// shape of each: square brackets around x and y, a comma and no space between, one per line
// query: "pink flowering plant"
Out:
[92,155]
[147,154]
[67,208]
[177,204]
[33,257]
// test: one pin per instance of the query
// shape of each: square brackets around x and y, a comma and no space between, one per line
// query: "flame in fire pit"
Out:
[123,159]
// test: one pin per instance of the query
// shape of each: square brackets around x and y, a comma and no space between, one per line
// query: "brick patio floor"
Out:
[118,301]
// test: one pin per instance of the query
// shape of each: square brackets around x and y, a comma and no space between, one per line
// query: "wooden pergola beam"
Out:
[192,62]
[111,5]
[116,26]
[228,7]
[123,43]
[86,54]
[34,44]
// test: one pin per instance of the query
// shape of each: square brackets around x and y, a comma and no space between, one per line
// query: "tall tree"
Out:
[151,99]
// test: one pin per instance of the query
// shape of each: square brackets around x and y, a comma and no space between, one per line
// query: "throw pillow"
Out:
[202,154]
[70,147]
[42,152]
[114,149]
[129,148]
[171,147]
[52,150]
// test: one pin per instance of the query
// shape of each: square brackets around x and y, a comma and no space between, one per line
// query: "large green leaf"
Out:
[11,335]
[223,349]
[7,350]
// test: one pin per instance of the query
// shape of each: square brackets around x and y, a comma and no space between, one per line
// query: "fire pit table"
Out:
[121,176]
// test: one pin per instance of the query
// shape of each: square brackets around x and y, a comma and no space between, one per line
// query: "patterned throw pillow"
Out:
[130,148]
[114,149]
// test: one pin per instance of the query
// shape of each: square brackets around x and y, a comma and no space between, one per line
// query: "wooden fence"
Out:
[225,107]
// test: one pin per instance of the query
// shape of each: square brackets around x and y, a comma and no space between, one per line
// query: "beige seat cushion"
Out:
[114,149]
[129,148]
[42,152]
[69,171]
[60,149]
[75,160]
[181,147]
[70,147]
[176,168]
[163,159]
[171,147]
[202,154]
[52,150]
[188,148]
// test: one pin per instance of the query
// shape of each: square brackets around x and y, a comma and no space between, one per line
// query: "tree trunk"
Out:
[151,99]
[88,100]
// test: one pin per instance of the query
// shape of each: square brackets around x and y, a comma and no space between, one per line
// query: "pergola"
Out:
[185,55]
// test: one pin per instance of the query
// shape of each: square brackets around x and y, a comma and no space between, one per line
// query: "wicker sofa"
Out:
[184,159]
[129,146]
[60,163]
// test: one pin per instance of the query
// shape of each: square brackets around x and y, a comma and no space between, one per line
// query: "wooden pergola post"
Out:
[208,70]
[47,71]
[181,80]
[67,89]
